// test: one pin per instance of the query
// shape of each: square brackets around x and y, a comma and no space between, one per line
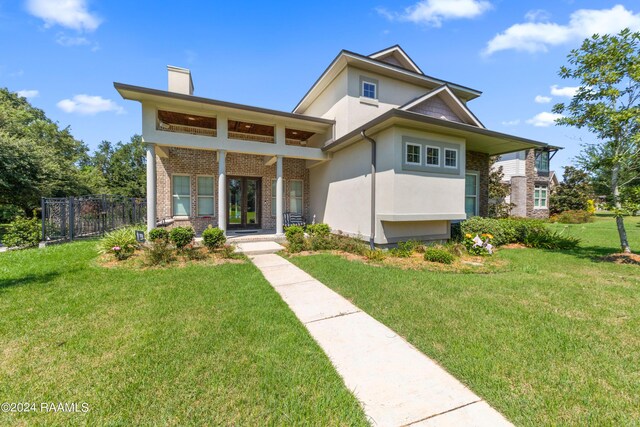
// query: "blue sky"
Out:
[64,55]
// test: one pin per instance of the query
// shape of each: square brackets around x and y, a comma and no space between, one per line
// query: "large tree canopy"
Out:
[607,104]
[37,158]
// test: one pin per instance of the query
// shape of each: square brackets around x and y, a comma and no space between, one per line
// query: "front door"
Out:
[243,198]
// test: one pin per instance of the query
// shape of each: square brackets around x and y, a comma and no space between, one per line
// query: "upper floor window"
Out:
[542,161]
[369,90]
[414,154]
[433,156]
[450,158]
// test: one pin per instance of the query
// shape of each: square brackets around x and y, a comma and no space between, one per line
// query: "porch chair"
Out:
[292,218]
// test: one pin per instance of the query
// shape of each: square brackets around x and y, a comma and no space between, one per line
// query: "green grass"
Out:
[181,346]
[553,340]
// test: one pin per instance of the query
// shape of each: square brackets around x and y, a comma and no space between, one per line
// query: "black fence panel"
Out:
[69,218]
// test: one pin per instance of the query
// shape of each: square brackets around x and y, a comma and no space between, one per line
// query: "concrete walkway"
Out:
[396,384]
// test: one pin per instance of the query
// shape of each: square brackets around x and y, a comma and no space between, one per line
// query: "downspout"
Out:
[373,190]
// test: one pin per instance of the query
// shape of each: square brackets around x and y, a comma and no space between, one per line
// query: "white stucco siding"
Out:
[341,190]
[332,104]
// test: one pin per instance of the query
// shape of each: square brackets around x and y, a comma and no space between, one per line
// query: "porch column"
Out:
[279,197]
[222,190]
[151,186]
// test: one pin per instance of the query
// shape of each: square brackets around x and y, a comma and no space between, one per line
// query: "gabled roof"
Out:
[346,57]
[400,57]
[452,101]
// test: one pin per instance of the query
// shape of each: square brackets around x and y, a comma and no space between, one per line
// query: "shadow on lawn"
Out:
[29,279]
[592,253]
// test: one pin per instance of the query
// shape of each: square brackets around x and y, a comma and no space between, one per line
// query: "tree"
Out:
[573,193]
[606,103]
[119,169]
[37,158]
[498,192]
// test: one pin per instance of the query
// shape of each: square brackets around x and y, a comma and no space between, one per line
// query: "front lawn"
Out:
[554,340]
[180,346]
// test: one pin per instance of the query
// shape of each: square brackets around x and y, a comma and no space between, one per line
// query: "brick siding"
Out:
[202,162]
[534,178]
[479,162]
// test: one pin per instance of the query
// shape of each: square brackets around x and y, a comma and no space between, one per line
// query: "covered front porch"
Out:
[227,165]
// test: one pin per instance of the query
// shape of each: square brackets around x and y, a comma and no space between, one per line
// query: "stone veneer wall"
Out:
[533,179]
[479,162]
[202,162]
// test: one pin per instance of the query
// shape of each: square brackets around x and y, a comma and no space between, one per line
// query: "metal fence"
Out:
[69,218]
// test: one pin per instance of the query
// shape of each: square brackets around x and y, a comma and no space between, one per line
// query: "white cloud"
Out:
[433,12]
[67,41]
[28,93]
[511,122]
[544,119]
[542,99]
[89,105]
[568,91]
[583,23]
[72,14]
[537,15]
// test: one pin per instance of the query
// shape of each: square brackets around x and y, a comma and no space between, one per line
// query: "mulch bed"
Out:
[622,258]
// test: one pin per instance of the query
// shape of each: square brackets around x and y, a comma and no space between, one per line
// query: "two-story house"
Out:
[530,181]
[376,148]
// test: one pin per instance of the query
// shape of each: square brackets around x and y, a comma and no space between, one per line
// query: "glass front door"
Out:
[243,198]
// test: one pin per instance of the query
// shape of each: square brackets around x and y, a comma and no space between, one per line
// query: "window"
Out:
[433,156]
[471,194]
[274,198]
[414,154]
[540,197]
[542,161]
[181,195]
[205,196]
[450,158]
[295,195]
[369,90]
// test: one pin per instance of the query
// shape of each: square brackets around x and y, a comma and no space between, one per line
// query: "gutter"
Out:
[373,189]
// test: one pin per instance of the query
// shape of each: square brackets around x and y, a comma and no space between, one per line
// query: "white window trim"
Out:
[213,196]
[274,197]
[375,89]
[406,153]
[426,151]
[546,197]
[173,194]
[301,181]
[445,158]
[477,190]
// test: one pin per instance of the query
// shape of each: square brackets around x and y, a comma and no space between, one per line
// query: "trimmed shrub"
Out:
[120,243]
[374,254]
[159,234]
[348,244]
[229,251]
[193,253]
[213,238]
[572,217]
[551,240]
[504,231]
[23,233]
[182,236]
[159,252]
[295,237]
[441,255]
[319,230]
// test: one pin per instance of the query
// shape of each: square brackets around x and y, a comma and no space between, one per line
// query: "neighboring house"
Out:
[530,180]
[378,116]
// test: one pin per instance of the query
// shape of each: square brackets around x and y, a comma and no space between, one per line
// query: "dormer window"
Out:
[369,89]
